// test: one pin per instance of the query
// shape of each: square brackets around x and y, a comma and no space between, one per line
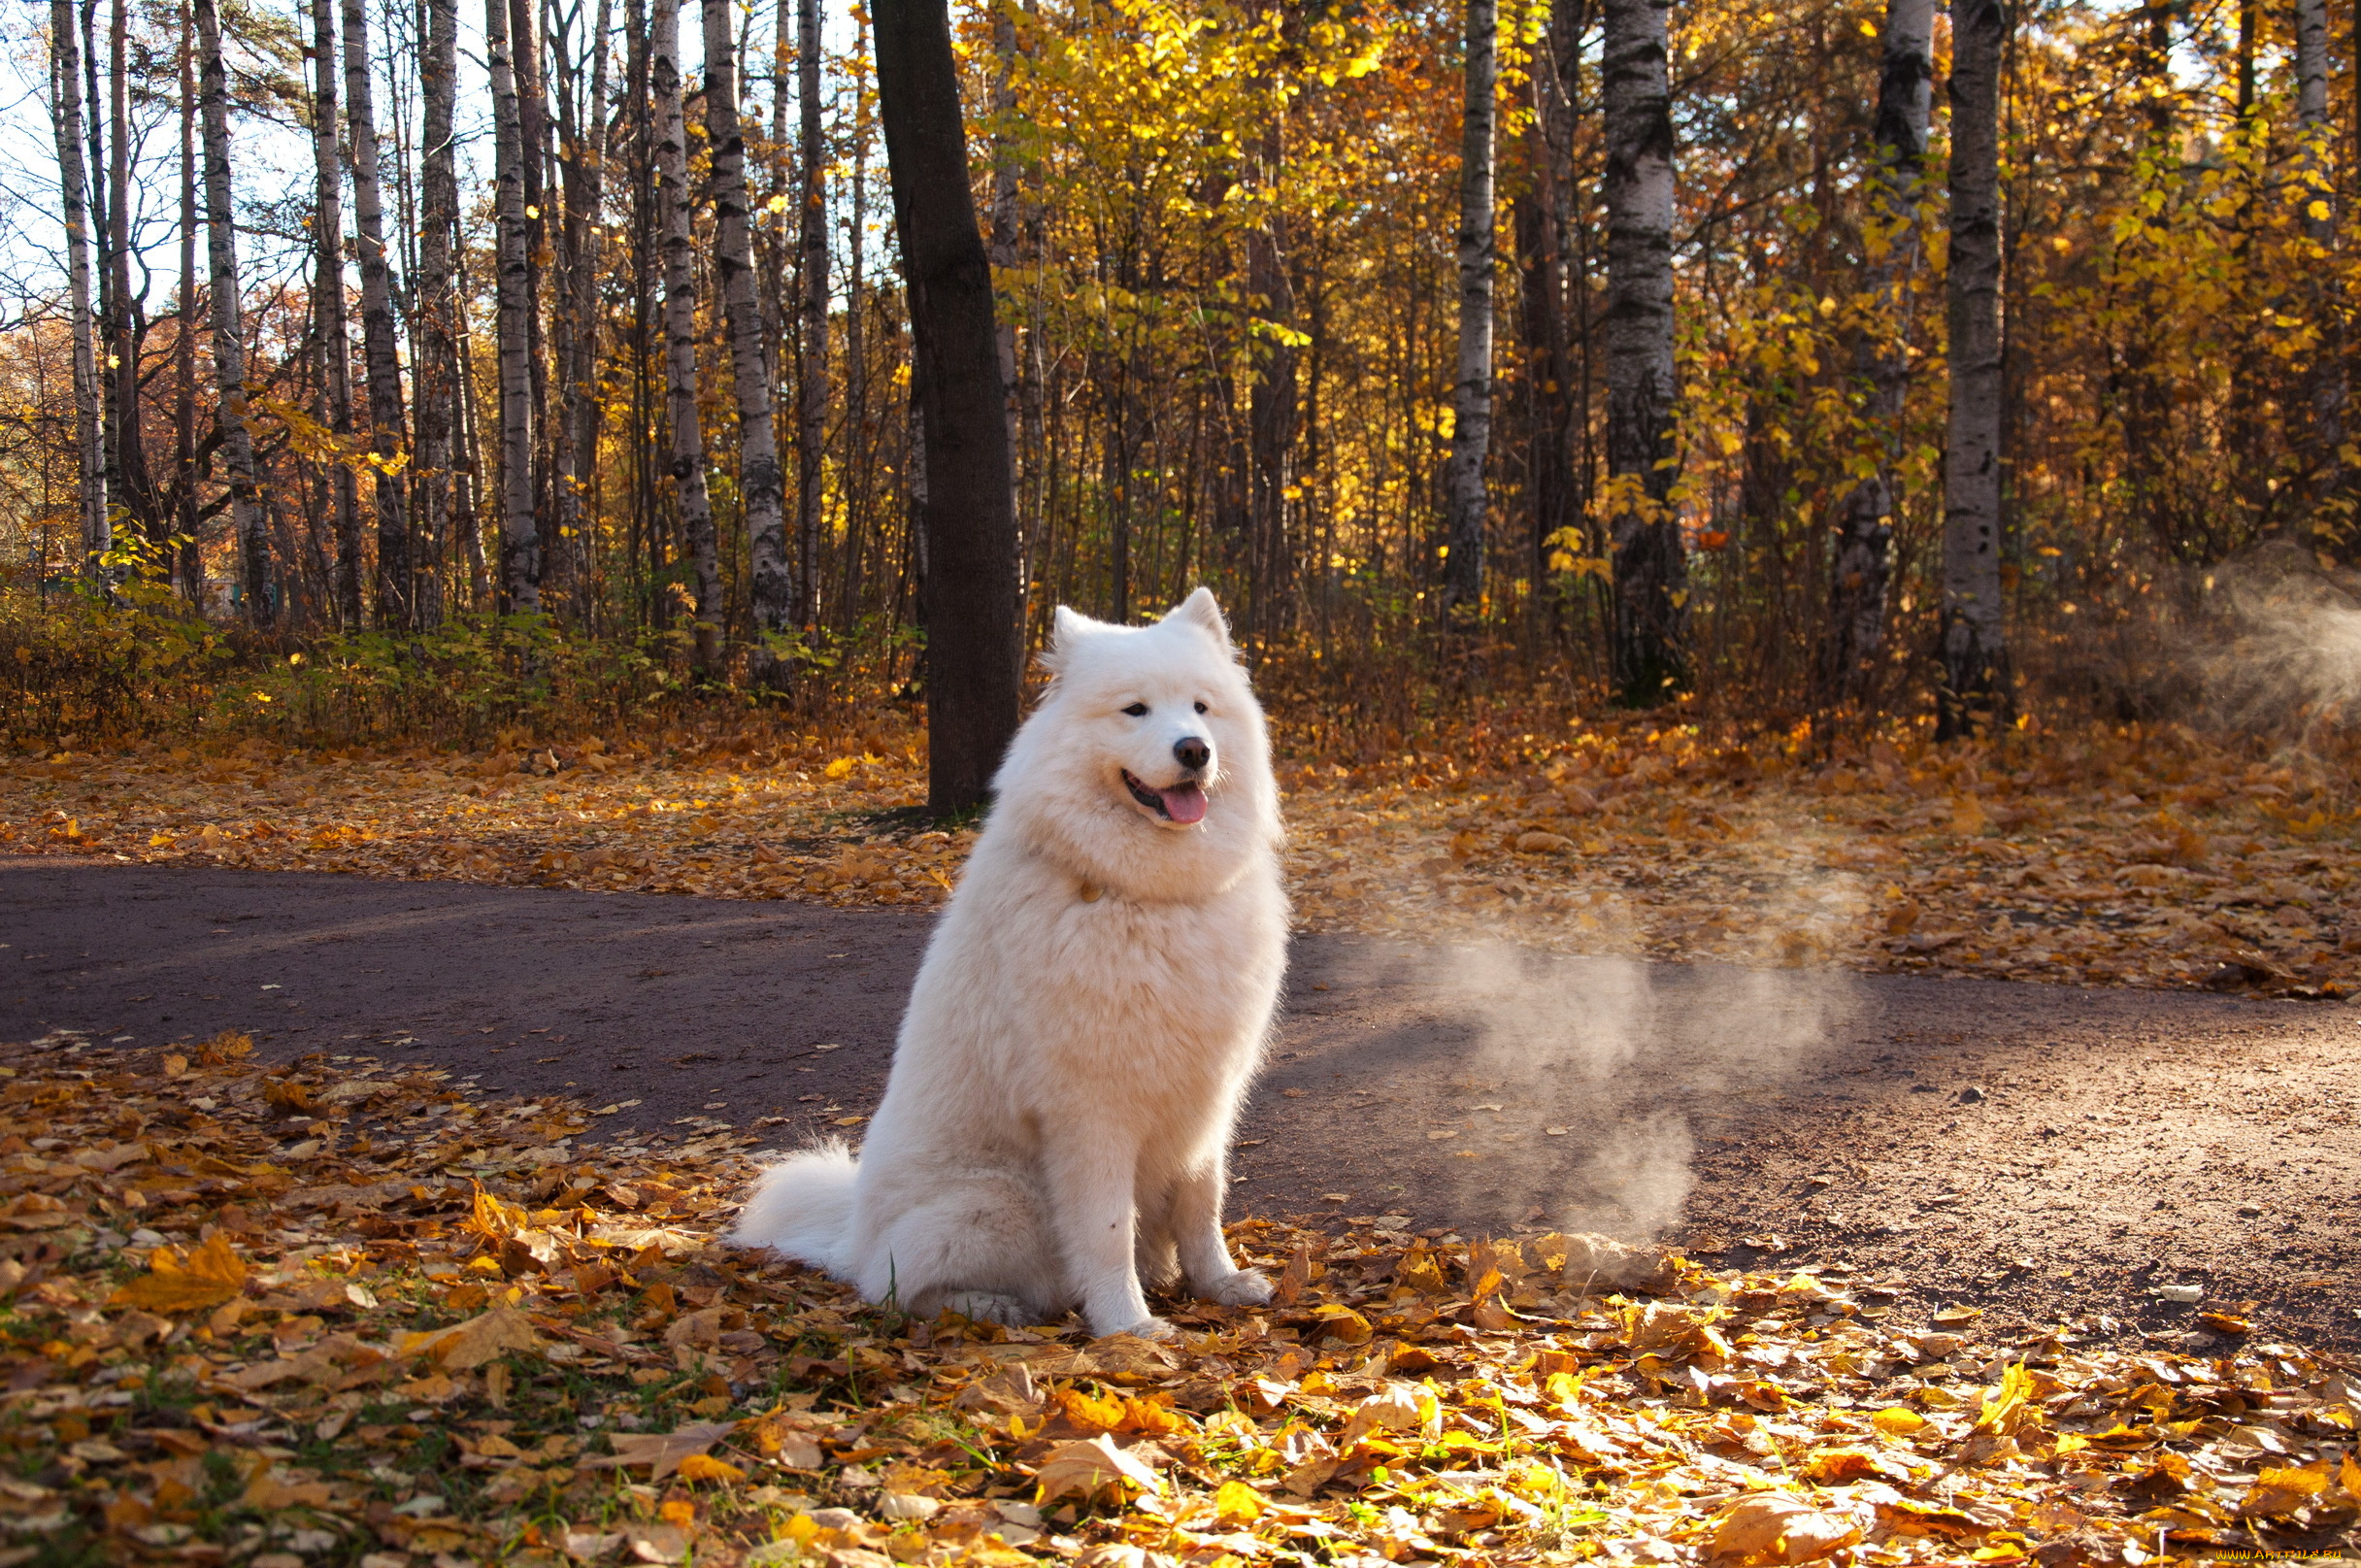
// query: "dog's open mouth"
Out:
[1182,803]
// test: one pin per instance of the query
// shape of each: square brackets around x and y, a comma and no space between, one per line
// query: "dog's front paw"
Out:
[1241,1288]
[1148,1327]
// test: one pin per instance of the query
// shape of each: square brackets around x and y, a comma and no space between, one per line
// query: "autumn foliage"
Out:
[407,1322]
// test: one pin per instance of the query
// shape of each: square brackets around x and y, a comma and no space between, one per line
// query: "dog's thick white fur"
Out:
[1091,1009]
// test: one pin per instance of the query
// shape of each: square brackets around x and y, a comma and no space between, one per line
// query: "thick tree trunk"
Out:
[812,341]
[229,336]
[1865,528]
[89,441]
[1975,694]
[533,154]
[126,323]
[761,485]
[1650,571]
[858,467]
[2315,189]
[681,329]
[1541,226]
[1018,398]
[396,591]
[185,340]
[329,311]
[1466,505]
[436,371]
[584,179]
[519,528]
[1273,407]
[968,529]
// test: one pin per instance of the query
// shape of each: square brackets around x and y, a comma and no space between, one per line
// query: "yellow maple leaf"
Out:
[705,1467]
[1089,1412]
[2006,1409]
[1237,1503]
[212,1275]
[476,1340]
[2284,1491]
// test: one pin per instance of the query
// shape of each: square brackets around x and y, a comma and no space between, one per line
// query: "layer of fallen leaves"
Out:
[338,1312]
[2121,855]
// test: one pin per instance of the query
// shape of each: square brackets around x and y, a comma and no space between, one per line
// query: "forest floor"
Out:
[366,1219]
[2143,860]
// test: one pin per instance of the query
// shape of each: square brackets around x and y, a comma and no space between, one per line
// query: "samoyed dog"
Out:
[1091,1008]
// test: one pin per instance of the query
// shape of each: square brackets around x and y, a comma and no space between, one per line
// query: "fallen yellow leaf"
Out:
[1237,1503]
[705,1467]
[1091,1470]
[476,1340]
[212,1275]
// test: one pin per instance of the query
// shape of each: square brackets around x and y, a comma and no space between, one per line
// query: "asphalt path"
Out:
[2048,1153]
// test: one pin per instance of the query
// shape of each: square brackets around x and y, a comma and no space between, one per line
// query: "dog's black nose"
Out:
[1193,753]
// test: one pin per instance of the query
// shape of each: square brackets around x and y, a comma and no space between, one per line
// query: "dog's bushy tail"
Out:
[802,1208]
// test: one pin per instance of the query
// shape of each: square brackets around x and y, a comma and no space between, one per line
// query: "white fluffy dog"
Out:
[1090,1011]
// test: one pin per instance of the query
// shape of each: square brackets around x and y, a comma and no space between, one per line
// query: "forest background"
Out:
[1482,359]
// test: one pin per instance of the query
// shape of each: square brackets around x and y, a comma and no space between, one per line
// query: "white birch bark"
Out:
[381,358]
[519,528]
[1975,692]
[812,349]
[761,487]
[89,439]
[185,342]
[328,310]
[1464,500]
[1650,571]
[2316,189]
[228,328]
[673,201]
[436,373]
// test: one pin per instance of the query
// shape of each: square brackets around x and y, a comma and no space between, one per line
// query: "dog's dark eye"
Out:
[1201,706]
[1139,709]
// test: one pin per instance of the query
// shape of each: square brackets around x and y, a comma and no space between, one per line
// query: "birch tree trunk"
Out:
[761,487]
[1272,405]
[533,151]
[673,199]
[328,311]
[436,373]
[1466,503]
[1541,226]
[229,338]
[1648,662]
[184,338]
[967,535]
[90,442]
[2316,189]
[519,530]
[1016,396]
[381,358]
[126,326]
[583,171]
[1865,528]
[812,342]
[1975,693]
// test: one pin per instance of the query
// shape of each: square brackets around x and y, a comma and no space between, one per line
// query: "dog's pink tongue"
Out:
[1184,803]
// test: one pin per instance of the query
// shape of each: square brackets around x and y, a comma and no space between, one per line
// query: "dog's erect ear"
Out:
[1200,610]
[1066,628]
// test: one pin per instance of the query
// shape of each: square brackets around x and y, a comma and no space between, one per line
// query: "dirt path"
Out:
[2043,1150]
